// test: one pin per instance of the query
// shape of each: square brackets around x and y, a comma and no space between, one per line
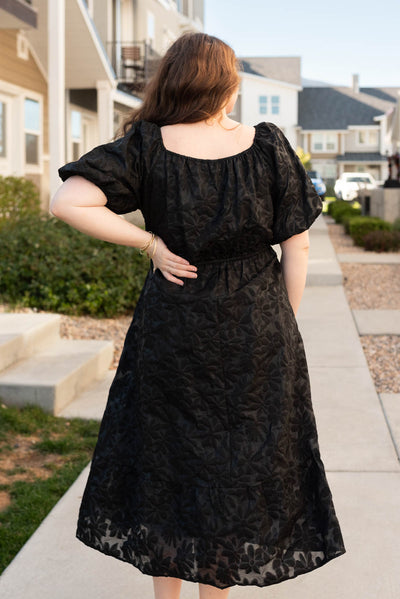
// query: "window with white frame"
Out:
[367,138]
[32,131]
[76,134]
[262,104]
[275,104]
[151,28]
[3,130]
[324,142]
[330,142]
[317,142]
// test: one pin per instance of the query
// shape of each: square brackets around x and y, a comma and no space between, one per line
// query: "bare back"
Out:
[200,140]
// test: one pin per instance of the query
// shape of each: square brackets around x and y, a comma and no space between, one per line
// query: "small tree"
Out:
[305,158]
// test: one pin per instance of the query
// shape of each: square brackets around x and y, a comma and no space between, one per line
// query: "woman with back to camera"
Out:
[207,465]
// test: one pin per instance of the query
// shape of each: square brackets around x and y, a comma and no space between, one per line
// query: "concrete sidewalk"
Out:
[356,447]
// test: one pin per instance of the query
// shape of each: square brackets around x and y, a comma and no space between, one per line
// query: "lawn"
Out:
[40,457]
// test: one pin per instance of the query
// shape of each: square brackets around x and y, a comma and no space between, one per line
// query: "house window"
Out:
[3,131]
[324,142]
[331,141]
[76,133]
[373,138]
[262,103]
[151,28]
[32,131]
[369,138]
[317,142]
[275,104]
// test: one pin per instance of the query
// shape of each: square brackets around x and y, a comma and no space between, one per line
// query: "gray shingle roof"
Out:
[338,107]
[281,68]
[362,156]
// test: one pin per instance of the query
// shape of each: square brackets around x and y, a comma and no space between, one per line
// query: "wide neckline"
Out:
[195,158]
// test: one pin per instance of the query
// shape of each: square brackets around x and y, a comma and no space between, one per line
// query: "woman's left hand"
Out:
[171,265]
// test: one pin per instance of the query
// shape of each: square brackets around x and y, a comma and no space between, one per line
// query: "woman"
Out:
[207,465]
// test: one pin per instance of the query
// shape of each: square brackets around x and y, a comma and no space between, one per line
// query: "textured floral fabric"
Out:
[207,465]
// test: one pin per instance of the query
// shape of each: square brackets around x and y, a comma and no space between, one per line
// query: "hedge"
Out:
[362,225]
[49,265]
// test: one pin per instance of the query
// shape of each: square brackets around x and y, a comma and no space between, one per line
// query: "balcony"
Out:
[134,64]
[17,14]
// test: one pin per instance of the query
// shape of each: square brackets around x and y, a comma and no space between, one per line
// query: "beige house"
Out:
[70,70]
[347,129]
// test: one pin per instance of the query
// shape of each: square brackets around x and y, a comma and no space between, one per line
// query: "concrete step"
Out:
[92,402]
[24,334]
[56,375]
[364,257]
[377,322]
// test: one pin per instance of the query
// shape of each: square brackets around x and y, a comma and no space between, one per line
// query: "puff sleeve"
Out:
[115,168]
[295,200]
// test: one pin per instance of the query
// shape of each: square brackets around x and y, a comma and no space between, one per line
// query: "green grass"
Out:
[70,442]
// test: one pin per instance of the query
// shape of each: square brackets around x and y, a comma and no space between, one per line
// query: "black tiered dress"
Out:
[207,465]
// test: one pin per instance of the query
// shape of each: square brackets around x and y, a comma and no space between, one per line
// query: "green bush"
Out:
[382,241]
[362,225]
[341,210]
[396,225]
[330,190]
[48,265]
[18,198]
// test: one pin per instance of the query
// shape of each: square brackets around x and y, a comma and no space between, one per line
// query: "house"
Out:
[71,70]
[269,91]
[347,128]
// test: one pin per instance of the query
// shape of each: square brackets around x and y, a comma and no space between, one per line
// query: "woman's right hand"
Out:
[171,265]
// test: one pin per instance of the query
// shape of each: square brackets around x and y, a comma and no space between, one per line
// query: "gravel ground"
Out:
[372,287]
[383,357]
[342,243]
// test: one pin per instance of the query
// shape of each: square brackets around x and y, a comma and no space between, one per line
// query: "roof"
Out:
[338,107]
[280,68]
[361,157]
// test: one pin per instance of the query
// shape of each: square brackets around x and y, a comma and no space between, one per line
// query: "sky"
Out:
[334,39]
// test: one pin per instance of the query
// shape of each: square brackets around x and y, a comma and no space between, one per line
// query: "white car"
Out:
[348,184]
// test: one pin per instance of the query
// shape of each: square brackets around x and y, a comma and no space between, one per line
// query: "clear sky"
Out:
[334,39]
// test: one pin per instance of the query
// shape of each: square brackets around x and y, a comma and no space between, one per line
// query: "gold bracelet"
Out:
[155,247]
[148,244]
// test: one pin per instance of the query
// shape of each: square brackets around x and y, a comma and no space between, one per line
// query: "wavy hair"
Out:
[194,80]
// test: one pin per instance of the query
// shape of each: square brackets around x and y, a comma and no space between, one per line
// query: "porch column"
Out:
[105,111]
[56,89]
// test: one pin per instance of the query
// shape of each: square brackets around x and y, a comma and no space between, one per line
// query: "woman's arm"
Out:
[294,266]
[81,204]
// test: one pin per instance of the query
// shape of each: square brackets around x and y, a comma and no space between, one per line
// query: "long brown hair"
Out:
[194,80]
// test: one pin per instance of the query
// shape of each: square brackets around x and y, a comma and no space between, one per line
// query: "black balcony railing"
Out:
[134,63]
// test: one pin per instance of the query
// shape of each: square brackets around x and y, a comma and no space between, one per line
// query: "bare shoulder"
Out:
[245,132]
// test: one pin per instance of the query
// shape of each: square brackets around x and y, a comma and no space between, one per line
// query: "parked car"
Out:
[348,184]
[318,183]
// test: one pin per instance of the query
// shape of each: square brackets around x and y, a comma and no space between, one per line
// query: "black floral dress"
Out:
[207,465]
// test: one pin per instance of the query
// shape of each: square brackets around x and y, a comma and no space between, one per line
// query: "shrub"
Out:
[330,190]
[18,198]
[382,241]
[396,225]
[48,265]
[361,225]
[341,210]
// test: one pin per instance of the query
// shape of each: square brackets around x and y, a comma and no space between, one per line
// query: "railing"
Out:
[134,63]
